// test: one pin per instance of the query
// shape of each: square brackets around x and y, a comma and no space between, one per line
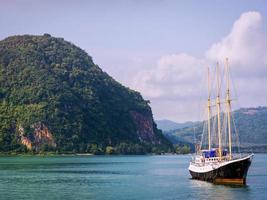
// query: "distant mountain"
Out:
[167,125]
[251,124]
[54,98]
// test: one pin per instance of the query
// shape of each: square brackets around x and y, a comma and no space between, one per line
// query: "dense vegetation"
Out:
[251,124]
[48,80]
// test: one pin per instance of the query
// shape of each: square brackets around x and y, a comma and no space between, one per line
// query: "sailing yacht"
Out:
[217,163]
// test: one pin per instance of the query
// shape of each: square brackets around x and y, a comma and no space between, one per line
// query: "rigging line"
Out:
[225,123]
[222,127]
[225,130]
[201,110]
[195,143]
[215,129]
[202,135]
[237,135]
[223,74]
[219,110]
[233,117]
[199,107]
[221,80]
[213,86]
[209,110]
[235,90]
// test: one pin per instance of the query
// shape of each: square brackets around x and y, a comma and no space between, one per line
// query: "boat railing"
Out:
[201,160]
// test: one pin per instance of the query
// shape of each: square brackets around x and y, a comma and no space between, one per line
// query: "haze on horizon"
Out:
[160,48]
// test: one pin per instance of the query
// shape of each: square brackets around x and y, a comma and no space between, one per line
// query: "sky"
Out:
[161,48]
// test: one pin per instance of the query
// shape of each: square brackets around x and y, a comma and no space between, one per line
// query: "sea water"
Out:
[118,178]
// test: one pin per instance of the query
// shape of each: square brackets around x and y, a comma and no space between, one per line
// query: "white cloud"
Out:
[175,85]
[172,84]
[246,45]
[171,78]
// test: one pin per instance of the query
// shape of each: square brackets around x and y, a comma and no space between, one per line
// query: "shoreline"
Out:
[84,154]
[90,154]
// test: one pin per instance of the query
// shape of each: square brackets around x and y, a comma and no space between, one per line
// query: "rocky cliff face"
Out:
[145,128]
[52,95]
[40,138]
[24,139]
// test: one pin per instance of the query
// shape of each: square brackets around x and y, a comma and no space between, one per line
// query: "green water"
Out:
[118,178]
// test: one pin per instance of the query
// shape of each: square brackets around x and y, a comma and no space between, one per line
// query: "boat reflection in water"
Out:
[206,190]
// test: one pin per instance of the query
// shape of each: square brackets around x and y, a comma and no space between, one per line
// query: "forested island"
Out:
[53,98]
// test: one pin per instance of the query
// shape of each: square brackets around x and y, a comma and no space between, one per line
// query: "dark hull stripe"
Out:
[232,173]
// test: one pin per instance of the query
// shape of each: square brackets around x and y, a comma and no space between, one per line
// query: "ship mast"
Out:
[209,108]
[228,105]
[218,104]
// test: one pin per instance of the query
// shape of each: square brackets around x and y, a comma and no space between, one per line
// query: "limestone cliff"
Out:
[40,137]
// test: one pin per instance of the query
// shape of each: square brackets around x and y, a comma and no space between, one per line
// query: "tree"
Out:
[110,150]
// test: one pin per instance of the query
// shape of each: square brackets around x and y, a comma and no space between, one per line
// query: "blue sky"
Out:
[133,39]
[157,26]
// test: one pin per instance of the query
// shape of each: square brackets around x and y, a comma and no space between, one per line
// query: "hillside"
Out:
[167,125]
[251,124]
[54,98]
